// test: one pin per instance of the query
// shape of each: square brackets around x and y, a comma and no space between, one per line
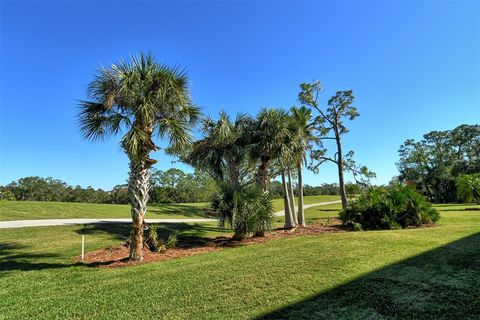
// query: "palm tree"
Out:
[305,134]
[270,139]
[223,152]
[139,99]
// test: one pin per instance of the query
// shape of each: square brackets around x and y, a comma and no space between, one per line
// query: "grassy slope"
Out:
[416,273]
[21,210]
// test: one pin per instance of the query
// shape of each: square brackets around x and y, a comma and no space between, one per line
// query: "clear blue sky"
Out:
[414,67]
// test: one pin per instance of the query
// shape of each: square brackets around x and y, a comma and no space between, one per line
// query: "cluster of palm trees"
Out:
[253,150]
[142,98]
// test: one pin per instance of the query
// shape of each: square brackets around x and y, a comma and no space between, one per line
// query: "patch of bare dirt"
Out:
[188,246]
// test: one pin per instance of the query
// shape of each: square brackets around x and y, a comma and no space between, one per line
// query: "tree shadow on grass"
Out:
[11,258]
[440,284]
[120,231]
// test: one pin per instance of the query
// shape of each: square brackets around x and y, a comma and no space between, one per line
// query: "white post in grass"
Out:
[83,246]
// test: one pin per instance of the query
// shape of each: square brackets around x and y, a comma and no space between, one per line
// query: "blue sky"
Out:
[413,66]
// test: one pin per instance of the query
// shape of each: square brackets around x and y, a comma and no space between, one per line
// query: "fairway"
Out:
[432,273]
[29,210]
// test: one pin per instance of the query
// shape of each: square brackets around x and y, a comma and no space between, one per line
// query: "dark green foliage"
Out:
[171,186]
[176,186]
[391,207]
[6,194]
[248,210]
[433,163]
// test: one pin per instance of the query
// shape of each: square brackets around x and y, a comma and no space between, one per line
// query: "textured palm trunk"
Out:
[292,197]
[138,189]
[301,212]
[263,175]
[289,222]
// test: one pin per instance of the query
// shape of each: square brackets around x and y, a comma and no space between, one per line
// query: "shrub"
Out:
[156,244]
[248,210]
[468,187]
[392,207]
[172,240]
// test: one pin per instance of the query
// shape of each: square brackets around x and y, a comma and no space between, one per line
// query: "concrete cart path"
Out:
[64,222]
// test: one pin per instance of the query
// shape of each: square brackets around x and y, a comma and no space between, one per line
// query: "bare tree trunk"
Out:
[292,197]
[289,223]
[301,212]
[138,189]
[341,180]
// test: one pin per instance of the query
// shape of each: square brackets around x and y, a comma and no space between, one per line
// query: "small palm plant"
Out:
[141,99]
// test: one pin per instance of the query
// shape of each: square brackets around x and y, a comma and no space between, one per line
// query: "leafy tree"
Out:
[352,190]
[330,124]
[140,98]
[119,194]
[6,194]
[433,163]
[468,187]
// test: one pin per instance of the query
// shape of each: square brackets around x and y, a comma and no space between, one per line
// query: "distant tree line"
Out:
[435,163]
[170,186]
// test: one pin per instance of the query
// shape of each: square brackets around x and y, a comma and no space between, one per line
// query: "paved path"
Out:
[64,222]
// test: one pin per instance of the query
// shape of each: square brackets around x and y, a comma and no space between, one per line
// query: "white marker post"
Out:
[83,246]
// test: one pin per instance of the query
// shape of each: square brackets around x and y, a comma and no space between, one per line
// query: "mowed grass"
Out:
[428,273]
[28,210]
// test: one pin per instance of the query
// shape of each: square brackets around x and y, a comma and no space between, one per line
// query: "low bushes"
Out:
[248,210]
[156,244]
[391,207]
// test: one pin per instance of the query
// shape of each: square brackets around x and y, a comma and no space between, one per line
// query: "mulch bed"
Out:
[118,256]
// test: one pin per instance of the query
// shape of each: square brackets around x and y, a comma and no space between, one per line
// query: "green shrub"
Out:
[392,207]
[248,210]
[172,240]
[156,244]
[468,187]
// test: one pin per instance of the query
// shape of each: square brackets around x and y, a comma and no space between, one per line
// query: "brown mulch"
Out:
[188,246]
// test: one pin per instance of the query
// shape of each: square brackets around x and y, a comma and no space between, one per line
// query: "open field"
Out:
[25,210]
[429,273]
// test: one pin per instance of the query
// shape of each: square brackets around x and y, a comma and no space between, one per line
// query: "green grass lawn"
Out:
[26,210]
[428,273]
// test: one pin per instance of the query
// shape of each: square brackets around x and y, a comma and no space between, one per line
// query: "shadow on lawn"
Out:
[120,231]
[12,259]
[440,284]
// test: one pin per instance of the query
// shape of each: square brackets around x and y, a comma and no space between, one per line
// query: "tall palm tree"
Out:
[270,139]
[305,134]
[139,99]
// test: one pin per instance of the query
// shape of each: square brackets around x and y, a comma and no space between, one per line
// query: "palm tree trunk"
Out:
[289,222]
[292,198]
[138,189]
[263,175]
[341,180]
[301,212]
